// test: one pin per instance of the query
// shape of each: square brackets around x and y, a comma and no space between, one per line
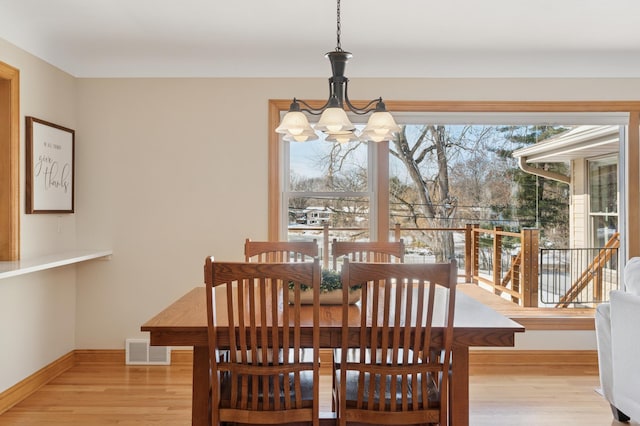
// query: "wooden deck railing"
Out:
[510,270]
[483,262]
[507,263]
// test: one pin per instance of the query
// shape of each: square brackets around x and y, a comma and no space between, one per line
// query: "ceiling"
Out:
[288,38]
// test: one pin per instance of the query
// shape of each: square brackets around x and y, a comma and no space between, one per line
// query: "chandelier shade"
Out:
[294,123]
[381,122]
[375,136]
[343,137]
[334,121]
[307,135]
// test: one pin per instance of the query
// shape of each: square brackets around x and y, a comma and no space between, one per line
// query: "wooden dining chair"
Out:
[367,251]
[264,376]
[394,357]
[280,251]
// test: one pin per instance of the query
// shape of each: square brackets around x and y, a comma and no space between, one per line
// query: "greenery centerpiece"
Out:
[330,290]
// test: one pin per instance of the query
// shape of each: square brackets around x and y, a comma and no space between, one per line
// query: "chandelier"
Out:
[333,117]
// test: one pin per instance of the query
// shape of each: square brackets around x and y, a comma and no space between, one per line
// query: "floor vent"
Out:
[140,352]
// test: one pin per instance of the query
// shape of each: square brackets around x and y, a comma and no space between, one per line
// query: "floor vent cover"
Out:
[140,352]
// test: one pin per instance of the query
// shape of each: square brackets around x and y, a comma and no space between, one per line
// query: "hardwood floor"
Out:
[538,400]
[112,393]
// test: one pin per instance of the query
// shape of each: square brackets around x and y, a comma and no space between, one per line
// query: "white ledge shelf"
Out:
[26,266]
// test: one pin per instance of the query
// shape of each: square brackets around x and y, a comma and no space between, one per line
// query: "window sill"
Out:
[41,263]
[565,319]
[534,318]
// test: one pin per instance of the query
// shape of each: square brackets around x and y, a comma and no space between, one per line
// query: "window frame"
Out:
[381,176]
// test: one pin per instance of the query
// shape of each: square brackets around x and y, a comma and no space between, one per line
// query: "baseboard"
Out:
[181,356]
[99,356]
[547,362]
[531,362]
[28,386]
[481,362]
[543,362]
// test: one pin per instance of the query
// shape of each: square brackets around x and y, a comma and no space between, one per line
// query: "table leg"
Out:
[459,402]
[200,393]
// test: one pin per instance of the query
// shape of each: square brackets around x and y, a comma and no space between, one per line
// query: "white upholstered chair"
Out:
[618,337]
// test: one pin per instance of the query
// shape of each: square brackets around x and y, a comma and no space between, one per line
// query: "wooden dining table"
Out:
[184,323]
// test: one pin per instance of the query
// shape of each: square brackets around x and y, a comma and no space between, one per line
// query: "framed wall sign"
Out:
[50,167]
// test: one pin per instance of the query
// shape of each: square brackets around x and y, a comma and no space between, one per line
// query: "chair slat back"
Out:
[262,361]
[280,251]
[368,251]
[409,310]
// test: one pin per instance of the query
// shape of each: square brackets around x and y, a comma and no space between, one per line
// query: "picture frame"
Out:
[50,167]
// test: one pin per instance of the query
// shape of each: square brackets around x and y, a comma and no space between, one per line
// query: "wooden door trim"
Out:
[10,158]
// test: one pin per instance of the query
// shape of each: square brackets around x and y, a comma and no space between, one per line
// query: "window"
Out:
[327,184]
[603,199]
[282,194]
[440,176]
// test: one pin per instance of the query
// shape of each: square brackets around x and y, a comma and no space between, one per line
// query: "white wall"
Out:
[38,311]
[172,170]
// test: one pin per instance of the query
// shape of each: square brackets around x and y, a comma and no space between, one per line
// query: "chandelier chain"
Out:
[338,28]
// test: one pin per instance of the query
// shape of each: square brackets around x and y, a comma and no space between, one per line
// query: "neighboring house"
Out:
[592,153]
[318,215]
[313,216]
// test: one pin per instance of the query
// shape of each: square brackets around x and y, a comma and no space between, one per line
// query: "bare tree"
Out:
[340,171]
[437,205]
[484,186]
[429,155]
